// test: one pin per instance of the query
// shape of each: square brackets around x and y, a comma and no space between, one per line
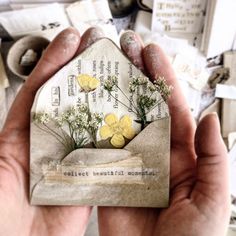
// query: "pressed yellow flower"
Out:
[117,129]
[87,82]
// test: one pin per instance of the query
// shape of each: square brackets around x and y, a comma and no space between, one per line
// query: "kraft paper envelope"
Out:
[128,163]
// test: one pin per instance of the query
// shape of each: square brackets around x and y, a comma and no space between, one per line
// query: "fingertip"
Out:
[208,139]
[66,44]
[150,46]
[212,164]
[156,62]
[89,37]
[69,30]
[208,121]
[132,46]
[128,38]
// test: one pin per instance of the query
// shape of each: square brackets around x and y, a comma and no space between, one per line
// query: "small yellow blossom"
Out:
[117,129]
[87,82]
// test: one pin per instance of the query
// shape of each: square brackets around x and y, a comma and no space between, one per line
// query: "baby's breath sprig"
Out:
[42,120]
[110,83]
[143,103]
[163,88]
[94,122]
[80,122]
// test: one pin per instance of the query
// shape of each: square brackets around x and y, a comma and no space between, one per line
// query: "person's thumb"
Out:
[212,164]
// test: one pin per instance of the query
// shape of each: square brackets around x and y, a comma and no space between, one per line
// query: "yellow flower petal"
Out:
[93,83]
[111,119]
[118,141]
[87,82]
[105,132]
[128,132]
[83,80]
[125,121]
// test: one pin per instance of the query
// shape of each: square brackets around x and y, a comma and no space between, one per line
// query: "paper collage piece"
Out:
[100,134]
[178,16]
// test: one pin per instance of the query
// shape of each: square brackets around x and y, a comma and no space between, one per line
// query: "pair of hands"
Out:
[199,194]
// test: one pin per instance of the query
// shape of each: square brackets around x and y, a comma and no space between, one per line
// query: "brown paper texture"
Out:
[136,175]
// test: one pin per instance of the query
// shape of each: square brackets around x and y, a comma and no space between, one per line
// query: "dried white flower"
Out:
[42,118]
[151,87]
[110,83]
[83,107]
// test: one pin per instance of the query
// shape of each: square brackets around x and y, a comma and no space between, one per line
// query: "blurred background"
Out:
[199,37]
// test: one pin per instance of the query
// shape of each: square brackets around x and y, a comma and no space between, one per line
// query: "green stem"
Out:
[89,119]
[48,131]
[68,144]
[158,102]
[151,95]
[87,101]
[130,100]
[126,96]
[123,104]
[71,134]
[55,133]
[92,137]
[143,117]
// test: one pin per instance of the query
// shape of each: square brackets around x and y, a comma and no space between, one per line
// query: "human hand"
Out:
[18,217]
[199,182]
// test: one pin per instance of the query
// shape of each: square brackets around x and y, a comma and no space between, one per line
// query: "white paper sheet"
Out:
[178,16]
[4,83]
[220,27]
[38,21]
[85,14]
[142,24]
[191,69]
[225,91]
[231,140]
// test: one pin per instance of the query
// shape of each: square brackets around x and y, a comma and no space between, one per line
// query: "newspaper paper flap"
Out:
[63,173]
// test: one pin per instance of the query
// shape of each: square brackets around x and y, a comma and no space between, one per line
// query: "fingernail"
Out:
[130,41]
[66,43]
[67,40]
[70,36]
[132,45]
[92,35]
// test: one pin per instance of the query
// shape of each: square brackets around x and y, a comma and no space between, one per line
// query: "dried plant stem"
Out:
[57,137]
[160,101]
[123,103]
[131,101]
